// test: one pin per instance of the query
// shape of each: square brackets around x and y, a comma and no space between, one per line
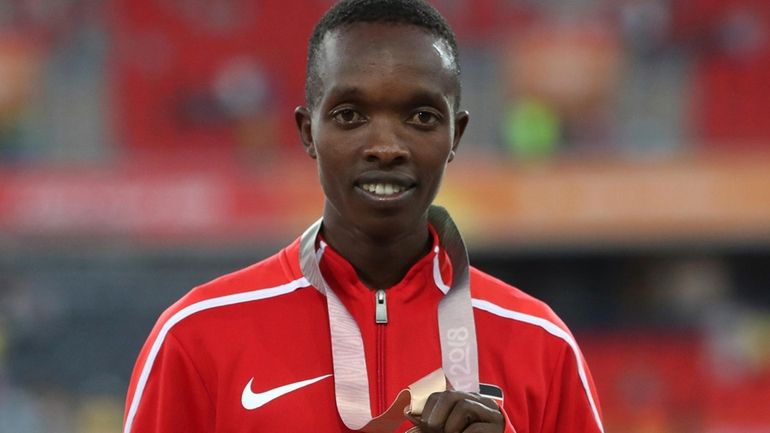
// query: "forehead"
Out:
[368,55]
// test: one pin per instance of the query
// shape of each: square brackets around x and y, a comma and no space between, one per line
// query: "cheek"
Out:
[435,155]
[331,168]
[325,170]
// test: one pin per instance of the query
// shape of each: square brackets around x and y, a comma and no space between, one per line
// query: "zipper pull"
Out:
[380,307]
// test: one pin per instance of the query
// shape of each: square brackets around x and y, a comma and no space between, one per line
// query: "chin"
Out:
[389,224]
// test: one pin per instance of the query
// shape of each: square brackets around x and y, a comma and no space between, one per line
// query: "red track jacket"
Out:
[251,352]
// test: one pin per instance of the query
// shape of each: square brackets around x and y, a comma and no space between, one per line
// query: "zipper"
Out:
[380,308]
[381,319]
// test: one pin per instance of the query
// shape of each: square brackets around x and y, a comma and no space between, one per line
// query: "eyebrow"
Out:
[425,97]
[419,97]
[346,92]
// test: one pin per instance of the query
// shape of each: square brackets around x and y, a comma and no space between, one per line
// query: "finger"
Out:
[486,401]
[484,428]
[413,419]
[464,413]
[437,408]
[430,403]
[467,412]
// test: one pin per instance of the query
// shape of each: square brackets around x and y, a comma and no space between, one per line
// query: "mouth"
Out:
[385,188]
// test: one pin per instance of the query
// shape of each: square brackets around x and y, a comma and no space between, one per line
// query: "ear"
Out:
[303,120]
[461,122]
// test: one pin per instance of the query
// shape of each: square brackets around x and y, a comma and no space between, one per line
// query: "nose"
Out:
[384,146]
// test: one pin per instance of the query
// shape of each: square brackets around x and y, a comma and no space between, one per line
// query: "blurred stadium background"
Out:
[617,166]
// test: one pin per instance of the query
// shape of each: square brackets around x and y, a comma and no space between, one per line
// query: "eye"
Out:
[425,118]
[347,116]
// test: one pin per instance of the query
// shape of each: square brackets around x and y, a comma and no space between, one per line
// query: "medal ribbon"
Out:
[456,328]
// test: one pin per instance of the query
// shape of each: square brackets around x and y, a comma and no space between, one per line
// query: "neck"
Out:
[380,261]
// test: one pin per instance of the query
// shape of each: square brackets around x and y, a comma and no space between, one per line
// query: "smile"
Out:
[383,189]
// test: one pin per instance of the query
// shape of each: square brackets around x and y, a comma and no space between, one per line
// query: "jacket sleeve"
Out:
[572,404]
[167,393]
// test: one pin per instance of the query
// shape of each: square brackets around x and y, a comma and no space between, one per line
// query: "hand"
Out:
[459,412]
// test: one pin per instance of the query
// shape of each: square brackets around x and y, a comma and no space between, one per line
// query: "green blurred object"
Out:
[531,128]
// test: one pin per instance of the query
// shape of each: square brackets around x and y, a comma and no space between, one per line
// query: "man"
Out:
[378,296]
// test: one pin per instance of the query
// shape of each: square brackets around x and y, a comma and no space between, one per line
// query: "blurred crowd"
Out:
[86,80]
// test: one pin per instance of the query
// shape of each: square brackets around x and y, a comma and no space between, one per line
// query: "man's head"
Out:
[396,12]
[382,121]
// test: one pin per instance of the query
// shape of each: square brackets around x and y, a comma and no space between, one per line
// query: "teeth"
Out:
[382,188]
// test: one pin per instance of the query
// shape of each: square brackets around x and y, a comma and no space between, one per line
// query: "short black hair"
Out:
[348,12]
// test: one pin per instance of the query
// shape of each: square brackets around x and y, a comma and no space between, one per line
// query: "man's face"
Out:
[384,125]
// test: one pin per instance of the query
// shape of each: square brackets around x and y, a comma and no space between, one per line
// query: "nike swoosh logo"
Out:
[251,400]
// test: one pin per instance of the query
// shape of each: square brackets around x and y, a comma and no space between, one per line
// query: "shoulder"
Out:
[510,318]
[200,320]
[203,311]
[270,278]
[507,302]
